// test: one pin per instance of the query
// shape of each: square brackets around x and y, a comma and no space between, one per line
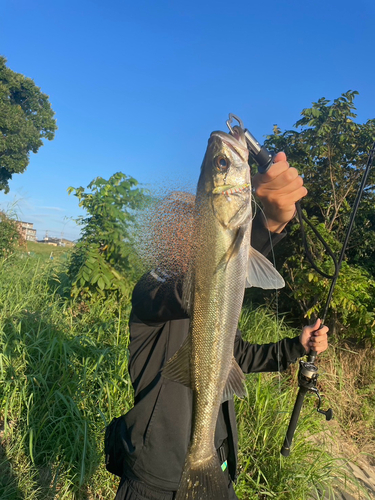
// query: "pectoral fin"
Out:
[235,382]
[261,273]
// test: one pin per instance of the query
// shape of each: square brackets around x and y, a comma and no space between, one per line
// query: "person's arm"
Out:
[273,357]
[253,358]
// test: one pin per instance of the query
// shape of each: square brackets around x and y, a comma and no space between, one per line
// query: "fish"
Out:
[223,264]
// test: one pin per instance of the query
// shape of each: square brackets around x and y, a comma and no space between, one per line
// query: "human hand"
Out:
[314,337]
[279,189]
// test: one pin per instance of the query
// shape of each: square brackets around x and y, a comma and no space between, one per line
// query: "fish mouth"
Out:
[236,143]
[229,189]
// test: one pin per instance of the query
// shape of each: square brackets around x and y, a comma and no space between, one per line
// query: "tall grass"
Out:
[262,422]
[311,470]
[63,377]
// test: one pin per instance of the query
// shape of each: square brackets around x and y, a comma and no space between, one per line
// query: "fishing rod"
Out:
[308,371]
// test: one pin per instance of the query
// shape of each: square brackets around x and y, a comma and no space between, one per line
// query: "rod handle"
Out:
[312,356]
[285,450]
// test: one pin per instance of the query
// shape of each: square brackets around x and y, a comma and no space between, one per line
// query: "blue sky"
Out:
[139,86]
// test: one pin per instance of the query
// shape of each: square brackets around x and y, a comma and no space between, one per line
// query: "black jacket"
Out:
[158,426]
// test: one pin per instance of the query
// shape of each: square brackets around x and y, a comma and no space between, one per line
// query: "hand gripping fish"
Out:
[223,264]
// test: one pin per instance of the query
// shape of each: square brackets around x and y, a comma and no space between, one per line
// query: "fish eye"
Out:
[222,163]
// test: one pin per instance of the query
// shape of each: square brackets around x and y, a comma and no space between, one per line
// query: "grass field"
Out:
[44,251]
[63,377]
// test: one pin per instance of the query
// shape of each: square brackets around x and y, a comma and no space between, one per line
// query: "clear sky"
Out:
[138,86]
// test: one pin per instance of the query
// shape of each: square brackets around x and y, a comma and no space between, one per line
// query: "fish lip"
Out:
[229,190]
[234,144]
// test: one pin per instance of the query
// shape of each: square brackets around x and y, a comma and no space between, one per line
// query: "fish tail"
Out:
[203,480]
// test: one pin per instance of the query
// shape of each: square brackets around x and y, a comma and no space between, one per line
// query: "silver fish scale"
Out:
[217,305]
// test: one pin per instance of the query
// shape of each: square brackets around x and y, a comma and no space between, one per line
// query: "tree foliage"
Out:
[104,253]
[26,117]
[330,149]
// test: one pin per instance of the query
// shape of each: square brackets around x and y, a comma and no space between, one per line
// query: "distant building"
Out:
[50,241]
[66,243]
[27,231]
[56,242]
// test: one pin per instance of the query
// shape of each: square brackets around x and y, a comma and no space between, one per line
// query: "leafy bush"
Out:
[352,308]
[104,253]
[331,151]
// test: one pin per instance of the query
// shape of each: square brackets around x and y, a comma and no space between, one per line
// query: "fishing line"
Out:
[263,159]
[278,333]
[276,291]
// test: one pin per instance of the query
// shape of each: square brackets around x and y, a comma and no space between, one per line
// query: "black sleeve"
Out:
[254,358]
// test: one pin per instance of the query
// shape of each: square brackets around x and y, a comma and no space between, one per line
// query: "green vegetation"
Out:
[26,118]
[104,253]
[9,235]
[63,377]
[331,150]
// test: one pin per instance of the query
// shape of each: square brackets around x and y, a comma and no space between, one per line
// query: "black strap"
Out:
[223,451]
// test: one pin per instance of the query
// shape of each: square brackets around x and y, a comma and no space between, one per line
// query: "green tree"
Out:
[26,117]
[104,254]
[331,150]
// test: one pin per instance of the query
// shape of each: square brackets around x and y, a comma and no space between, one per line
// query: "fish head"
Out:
[225,178]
